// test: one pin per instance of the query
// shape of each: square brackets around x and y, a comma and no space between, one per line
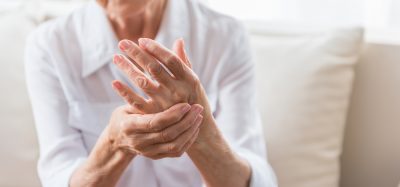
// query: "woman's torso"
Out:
[82,48]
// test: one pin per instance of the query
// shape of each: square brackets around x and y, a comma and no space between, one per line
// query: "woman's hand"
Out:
[176,84]
[166,134]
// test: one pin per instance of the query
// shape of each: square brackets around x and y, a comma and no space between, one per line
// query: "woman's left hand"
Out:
[176,85]
[181,85]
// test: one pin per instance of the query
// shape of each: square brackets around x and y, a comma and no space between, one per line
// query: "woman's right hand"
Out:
[165,134]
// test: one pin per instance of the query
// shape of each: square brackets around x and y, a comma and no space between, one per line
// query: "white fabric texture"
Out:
[304,80]
[18,142]
[69,70]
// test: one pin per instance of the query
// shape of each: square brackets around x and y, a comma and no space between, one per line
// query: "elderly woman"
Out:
[189,117]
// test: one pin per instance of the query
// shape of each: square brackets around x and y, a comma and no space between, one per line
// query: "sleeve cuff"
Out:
[262,174]
[62,177]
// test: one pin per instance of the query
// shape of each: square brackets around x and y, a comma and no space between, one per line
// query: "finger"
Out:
[174,148]
[189,143]
[185,147]
[179,48]
[134,74]
[146,61]
[165,56]
[192,140]
[155,122]
[171,133]
[130,97]
[128,109]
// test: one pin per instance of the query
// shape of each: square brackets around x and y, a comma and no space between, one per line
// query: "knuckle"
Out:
[153,48]
[131,151]
[150,125]
[179,95]
[138,106]
[154,68]
[133,142]
[141,82]
[134,53]
[137,146]
[125,127]
[165,136]
[171,60]
[155,124]
[130,100]
[131,73]
[173,148]
[123,93]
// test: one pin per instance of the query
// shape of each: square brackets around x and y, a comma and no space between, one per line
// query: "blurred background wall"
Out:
[381,18]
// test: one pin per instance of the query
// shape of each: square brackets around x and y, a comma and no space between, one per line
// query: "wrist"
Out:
[213,156]
[209,135]
[112,142]
[106,154]
[104,165]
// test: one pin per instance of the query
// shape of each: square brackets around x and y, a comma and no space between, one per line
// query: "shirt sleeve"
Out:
[237,114]
[61,146]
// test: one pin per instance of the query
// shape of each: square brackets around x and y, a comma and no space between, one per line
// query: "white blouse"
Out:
[69,74]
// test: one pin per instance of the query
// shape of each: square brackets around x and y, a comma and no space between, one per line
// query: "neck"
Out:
[142,23]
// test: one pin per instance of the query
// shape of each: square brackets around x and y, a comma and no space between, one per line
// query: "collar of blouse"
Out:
[99,43]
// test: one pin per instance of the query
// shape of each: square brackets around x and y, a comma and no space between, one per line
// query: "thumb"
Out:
[179,49]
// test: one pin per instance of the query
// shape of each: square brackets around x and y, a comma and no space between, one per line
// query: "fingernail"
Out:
[117,85]
[117,59]
[199,120]
[144,42]
[199,109]
[185,109]
[125,45]
[154,68]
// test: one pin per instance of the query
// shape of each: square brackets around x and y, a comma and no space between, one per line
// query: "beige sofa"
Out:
[371,155]
[371,151]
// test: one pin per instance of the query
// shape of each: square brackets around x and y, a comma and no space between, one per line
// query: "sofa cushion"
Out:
[371,156]
[305,79]
[18,140]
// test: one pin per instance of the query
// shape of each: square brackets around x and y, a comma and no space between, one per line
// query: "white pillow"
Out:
[305,79]
[19,150]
